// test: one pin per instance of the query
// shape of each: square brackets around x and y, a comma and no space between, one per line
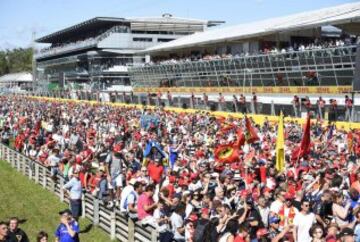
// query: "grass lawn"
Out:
[38,207]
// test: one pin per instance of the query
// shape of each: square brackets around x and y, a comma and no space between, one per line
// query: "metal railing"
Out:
[112,221]
[315,67]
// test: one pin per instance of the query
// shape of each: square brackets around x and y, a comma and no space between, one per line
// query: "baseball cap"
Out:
[274,220]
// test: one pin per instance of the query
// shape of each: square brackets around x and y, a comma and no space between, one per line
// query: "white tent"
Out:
[16,78]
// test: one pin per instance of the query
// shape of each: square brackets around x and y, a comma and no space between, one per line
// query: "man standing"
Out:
[303,222]
[169,97]
[348,107]
[242,103]
[74,186]
[68,230]
[206,100]
[115,164]
[15,233]
[296,106]
[255,103]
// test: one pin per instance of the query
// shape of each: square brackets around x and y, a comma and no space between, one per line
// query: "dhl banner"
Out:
[287,90]
[258,118]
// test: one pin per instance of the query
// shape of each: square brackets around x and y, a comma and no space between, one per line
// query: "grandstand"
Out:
[308,54]
[95,54]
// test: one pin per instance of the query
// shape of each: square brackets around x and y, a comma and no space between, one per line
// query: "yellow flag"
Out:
[280,153]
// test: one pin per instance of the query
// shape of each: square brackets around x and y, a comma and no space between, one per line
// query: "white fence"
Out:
[111,220]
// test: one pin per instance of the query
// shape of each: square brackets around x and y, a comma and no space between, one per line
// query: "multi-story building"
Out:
[308,54]
[95,54]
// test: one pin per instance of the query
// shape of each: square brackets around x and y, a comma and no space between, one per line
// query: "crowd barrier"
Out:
[112,221]
[258,118]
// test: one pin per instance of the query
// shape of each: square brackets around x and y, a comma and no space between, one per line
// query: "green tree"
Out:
[15,60]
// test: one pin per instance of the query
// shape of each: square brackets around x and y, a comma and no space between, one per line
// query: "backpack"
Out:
[199,230]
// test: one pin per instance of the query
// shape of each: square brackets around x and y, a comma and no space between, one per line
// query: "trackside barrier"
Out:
[258,118]
[112,221]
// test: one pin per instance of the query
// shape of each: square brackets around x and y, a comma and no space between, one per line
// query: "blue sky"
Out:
[18,18]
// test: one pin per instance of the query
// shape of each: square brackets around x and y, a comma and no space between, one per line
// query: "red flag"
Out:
[304,148]
[240,138]
[251,135]
[228,153]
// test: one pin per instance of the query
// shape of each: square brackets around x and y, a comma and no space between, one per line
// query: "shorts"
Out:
[117,181]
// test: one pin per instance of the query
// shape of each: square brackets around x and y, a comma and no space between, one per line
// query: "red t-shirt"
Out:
[155,172]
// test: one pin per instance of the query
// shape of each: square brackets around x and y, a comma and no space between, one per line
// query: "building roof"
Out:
[16,77]
[91,24]
[168,18]
[341,15]
[102,22]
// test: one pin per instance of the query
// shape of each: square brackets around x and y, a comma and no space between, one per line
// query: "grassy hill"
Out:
[37,207]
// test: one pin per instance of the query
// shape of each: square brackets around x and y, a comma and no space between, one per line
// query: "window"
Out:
[164,40]
[142,39]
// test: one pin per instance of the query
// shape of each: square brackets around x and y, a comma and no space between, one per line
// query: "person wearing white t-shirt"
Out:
[124,194]
[177,223]
[303,222]
[278,203]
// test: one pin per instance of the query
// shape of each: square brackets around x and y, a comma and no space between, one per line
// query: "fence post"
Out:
[18,162]
[96,211]
[44,177]
[83,205]
[36,173]
[52,186]
[112,224]
[23,161]
[10,158]
[131,230]
[30,165]
[154,235]
[61,192]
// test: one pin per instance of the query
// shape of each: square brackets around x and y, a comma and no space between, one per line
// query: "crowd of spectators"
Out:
[91,39]
[296,47]
[159,167]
